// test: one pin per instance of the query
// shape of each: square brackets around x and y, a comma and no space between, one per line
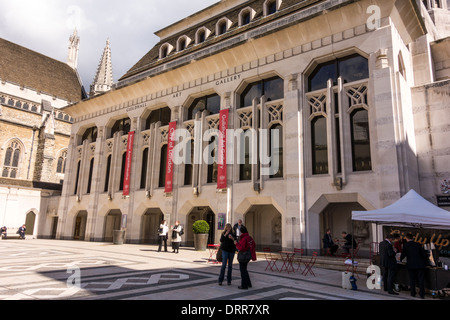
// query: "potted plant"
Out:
[201,232]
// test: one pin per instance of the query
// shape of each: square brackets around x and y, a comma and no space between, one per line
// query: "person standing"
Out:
[3,231]
[228,251]
[176,238]
[388,263]
[245,244]
[350,243]
[237,229]
[416,261]
[162,235]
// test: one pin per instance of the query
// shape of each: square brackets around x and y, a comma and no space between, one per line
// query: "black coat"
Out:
[416,256]
[227,244]
[387,255]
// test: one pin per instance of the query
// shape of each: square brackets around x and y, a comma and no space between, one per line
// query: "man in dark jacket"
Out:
[388,263]
[416,260]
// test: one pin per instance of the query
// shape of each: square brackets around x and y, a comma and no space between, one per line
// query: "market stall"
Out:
[414,211]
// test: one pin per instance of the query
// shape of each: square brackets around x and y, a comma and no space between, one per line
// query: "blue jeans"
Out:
[227,257]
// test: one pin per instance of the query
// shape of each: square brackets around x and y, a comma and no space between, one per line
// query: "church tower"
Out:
[74,44]
[103,80]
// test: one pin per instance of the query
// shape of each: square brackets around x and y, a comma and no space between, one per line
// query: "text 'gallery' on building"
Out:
[328,107]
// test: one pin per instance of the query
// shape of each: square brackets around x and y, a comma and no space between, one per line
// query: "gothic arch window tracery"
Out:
[12,159]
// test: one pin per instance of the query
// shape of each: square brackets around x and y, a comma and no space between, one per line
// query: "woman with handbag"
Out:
[176,237]
[228,249]
[246,247]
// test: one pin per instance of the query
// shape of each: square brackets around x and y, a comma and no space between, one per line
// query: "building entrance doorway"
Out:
[263,223]
[201,213]
[338,218]
[113,222]
[80,226]
[151,220]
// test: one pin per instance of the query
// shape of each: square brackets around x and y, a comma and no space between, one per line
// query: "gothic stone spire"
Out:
[103,80]
[74,44]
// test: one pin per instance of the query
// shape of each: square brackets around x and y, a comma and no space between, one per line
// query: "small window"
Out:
[201,35]
[222,26]
[246,16]
[165,50]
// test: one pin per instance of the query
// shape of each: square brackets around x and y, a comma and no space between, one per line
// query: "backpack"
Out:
[252,248]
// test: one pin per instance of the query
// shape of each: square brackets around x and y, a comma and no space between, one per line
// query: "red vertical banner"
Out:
[128,158]
[222,156]
[169,161]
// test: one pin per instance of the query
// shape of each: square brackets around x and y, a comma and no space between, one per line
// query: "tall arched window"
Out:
[144,168]
[189,160]
[359,120]
[339,89]
[162,167]
[61,165]
[108,172]
[91,171]
[77,178]
[12,160]
[122,171]
[245,156]
[276,151]
[212,165]
[319,145]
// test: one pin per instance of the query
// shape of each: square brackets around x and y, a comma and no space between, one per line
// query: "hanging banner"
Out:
[128,158]
[222,156]
[169,161]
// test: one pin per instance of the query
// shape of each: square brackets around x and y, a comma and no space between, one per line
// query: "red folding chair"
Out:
[271,259]
[310,264]
[298,258]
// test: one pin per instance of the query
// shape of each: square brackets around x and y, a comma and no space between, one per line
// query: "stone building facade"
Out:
[34,134]
[355,91]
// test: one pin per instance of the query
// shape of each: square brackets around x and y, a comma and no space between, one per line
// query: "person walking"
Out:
[416,261]
[228,251]
[162,235]
[388,263]
[247,252]
[176,238]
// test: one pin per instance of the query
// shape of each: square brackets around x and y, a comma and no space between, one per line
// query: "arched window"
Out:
[272,89]
[201,35]
[359,120]
[61,165]
[162,114]
[271,6]
[162,167]
[90,134]
[222,26]
[350,68]
[319,145]
[12,160]
[123,125]
[210,103]
[246,16]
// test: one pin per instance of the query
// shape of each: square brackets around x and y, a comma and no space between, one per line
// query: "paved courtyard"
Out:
[49,269]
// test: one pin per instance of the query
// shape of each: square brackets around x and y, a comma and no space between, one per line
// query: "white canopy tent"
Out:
[410,210]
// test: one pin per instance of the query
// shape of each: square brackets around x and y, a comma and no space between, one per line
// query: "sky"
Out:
[46,25]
